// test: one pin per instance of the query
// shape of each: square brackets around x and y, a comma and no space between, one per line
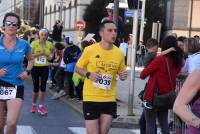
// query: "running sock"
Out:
[40,106]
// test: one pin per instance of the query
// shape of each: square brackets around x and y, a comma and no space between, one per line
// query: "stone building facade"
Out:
[27,9]
[183,17]
[72,11]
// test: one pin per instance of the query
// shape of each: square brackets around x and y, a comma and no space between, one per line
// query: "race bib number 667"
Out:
[7,93]
[105,82]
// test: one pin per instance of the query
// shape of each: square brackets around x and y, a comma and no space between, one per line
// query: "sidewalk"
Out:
[123,120]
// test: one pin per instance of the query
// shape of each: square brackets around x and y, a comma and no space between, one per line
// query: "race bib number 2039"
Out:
[7,93]
[105,82]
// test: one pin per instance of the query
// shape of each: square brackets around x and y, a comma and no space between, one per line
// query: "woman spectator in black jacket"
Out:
[57,31]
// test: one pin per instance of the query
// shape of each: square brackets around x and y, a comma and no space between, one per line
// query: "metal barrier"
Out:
[177,126]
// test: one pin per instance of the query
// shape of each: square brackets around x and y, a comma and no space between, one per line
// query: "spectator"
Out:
[192,47]
[160,79]
[60,77]
[70,57]
[55,62]
[152,52]
[78,80]
[181,42]
[120,31]
[124,47]
[197,38]
[57,31]
[140,53]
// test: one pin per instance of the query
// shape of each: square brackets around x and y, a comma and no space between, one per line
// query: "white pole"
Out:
[133,55]
[142,20]
[159,30]
[154,30]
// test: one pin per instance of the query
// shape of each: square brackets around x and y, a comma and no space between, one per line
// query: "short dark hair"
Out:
[85,44]
[151,42]
[102,24]
[14,15]
[59,46]
[181,38]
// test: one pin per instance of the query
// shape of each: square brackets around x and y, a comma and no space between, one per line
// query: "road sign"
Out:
[80,24]
[130,13]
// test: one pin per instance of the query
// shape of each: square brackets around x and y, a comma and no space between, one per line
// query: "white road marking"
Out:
[78,130]
[137,131]
[82,130]
[25,130]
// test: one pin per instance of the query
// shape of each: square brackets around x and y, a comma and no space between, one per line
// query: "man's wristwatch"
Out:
[88,74]
[28,72]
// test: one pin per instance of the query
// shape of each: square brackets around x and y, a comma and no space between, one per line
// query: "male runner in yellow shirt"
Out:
[100,63]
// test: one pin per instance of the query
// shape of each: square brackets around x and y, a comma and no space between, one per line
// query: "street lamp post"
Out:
[142,20]
[41,17]
[133,57]
[115,13]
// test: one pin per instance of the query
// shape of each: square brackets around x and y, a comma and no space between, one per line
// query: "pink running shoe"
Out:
[33,108]
[42,111]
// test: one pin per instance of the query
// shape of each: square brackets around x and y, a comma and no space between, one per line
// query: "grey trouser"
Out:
[59,77]
[151,116]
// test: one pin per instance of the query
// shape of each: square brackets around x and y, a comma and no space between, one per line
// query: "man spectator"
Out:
[120,31]
[124,47]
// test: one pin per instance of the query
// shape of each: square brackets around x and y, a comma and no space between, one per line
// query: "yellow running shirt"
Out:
[108,63]
[41,60]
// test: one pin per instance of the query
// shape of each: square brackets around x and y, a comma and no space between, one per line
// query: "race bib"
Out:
[41,60]
[105,82]
[7,93]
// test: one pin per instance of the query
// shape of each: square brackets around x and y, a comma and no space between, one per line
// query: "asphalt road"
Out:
[61,119]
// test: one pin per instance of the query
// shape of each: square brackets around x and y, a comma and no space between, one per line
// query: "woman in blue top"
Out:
[12,72]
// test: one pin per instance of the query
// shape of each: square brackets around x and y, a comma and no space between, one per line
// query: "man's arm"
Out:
[168,51]
[80,71]
[190,88]
[94,76]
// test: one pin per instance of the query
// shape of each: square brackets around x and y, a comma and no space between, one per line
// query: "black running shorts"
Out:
[93,110]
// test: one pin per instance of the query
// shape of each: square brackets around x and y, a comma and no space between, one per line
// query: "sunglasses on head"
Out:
[8,23]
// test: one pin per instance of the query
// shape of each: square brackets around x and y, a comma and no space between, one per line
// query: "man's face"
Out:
[153,49]
[109,33]
[110,12]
